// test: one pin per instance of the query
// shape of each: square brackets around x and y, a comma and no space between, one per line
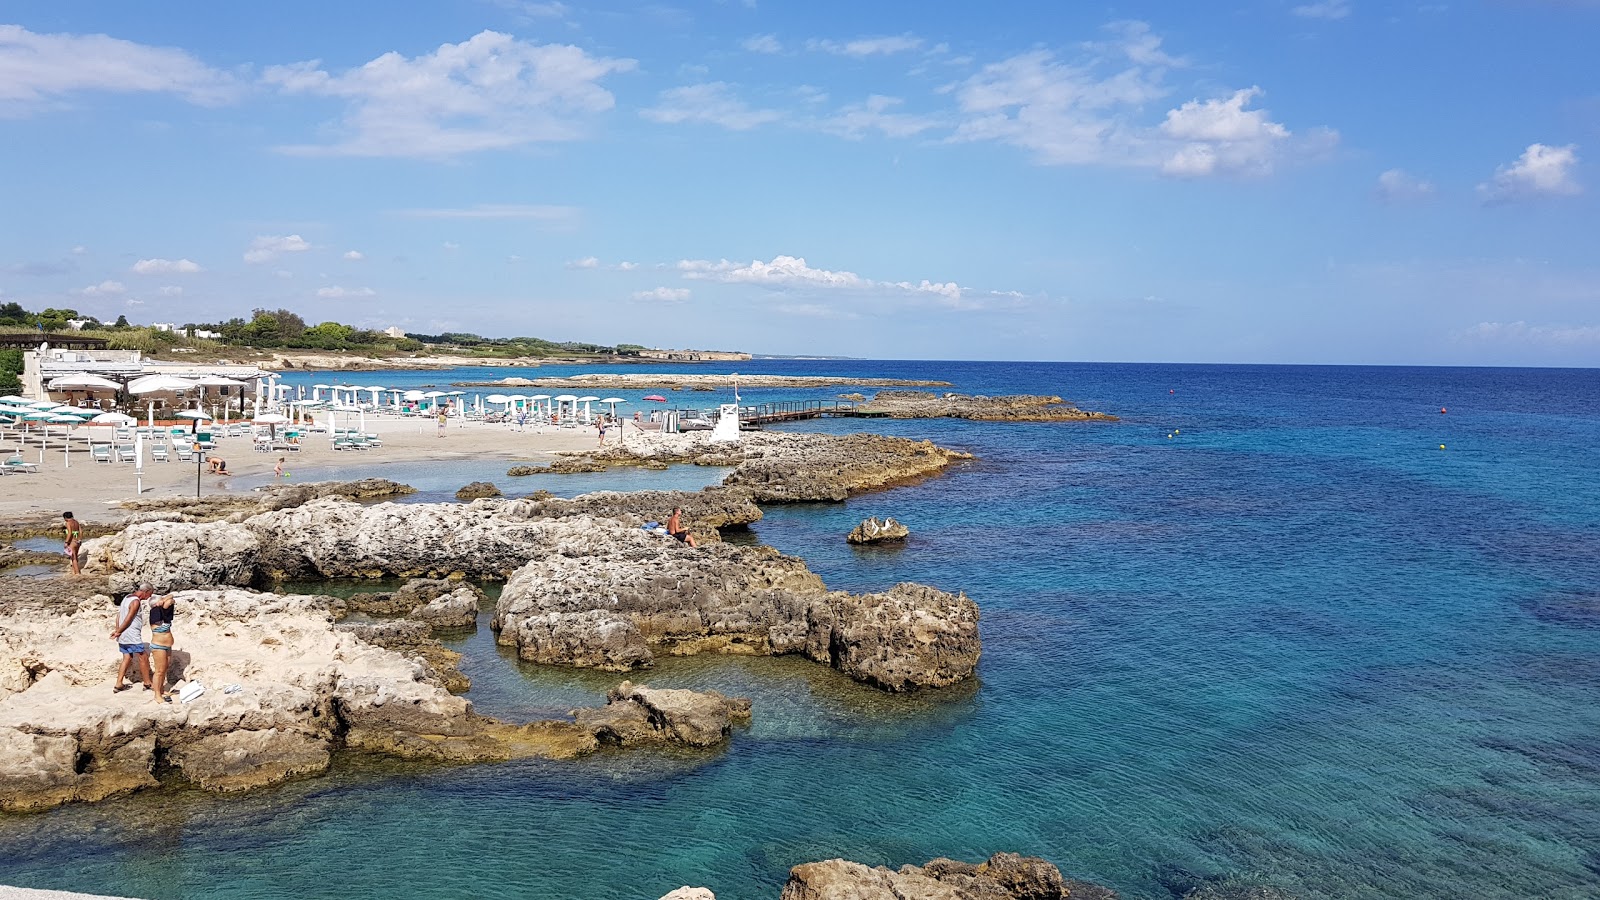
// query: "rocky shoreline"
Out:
[675,381]
[1011,408]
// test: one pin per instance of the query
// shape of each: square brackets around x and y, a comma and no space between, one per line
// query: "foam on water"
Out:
[1295,644]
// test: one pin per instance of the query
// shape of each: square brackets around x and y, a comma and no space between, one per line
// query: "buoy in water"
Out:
[1170,391]
[1441,446]
[1169,437]
[1443,410]
[1177,431]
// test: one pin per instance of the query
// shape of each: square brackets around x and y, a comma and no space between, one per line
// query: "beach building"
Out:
[56,358]
[394,331]
[694,355]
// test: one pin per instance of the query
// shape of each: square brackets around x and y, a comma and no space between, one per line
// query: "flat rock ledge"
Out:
[1003,876]
[301,687]
[581,590]
[1012,408]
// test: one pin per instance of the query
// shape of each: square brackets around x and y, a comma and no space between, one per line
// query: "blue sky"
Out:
[1329,181]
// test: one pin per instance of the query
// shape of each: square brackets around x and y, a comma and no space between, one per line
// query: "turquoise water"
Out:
[1295,643]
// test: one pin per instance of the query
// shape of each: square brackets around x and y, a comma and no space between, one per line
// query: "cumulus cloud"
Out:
[166,267]
[104,289]
[762,43]
[34,68]
[1090,111]
[490,92]
[495,211]
[1396,186]
[354,255]
[1324,9]
[663,294]
[1541,171]
[864,47]
[793,272]
[712,103]
[268,247]
[588,262]
[626,266]
[339,293]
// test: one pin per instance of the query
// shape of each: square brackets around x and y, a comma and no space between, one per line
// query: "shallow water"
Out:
[1294,643]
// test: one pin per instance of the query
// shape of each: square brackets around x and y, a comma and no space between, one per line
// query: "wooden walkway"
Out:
[796,410]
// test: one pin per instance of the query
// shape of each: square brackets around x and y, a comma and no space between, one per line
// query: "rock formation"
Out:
[476,490]
[638,715]
[654,595]
[872,531]
[237,507]
[284,687]
[1015,408]
[1005,876]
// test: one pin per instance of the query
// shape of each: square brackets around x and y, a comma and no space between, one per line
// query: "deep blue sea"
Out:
[1264,630]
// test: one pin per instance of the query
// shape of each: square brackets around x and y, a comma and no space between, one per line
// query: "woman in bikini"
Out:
[160,640]
[74,541]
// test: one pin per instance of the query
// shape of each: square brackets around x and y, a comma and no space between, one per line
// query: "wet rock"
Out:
[455,610]
[476,490]
[873,531]
[241,760]
[690,893]
[638,714]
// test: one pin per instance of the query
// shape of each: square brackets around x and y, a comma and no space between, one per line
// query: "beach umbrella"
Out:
[587,415]
[83,381]
[42,404]
[414,395]
[114,418]
[13,398]
[196,416]
[316,391]
[272,420]
[656,398]
[152,384]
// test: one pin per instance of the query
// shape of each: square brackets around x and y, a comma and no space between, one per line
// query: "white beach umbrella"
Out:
[42,404]
[414,395]
[498,398]
[587,415]
[13,398]
[154,384]
[83,381]
[114,418]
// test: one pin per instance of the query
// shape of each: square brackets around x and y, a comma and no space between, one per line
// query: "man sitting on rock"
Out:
[676,529]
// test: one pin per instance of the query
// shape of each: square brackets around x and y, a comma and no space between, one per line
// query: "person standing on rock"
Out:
[676,529]
[74,541]
[160,638]
[129,635]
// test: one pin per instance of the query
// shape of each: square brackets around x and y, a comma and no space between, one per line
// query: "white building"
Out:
[394,331]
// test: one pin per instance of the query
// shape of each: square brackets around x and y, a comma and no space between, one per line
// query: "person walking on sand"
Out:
[129,635]
[676,529]
[277,468]
[444,418]
[160,639]
[601,425]
[74,540]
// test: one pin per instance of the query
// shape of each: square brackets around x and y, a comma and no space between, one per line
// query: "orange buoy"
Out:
[1442,410]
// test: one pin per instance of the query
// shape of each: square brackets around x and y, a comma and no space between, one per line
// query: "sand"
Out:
[91,489]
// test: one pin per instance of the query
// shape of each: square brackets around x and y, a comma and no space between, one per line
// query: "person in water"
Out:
[160,638]
[74,540]
[676,529]
[128,632]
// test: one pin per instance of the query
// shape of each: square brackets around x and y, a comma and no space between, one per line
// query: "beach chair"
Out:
[184,451]
[158,453]
[125,453]
[100,452]
[17,466]
[124,434]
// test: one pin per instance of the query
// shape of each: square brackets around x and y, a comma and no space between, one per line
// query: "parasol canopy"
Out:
[151,384]
[83,381]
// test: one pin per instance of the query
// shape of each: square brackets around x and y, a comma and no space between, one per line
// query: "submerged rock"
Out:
[872,531]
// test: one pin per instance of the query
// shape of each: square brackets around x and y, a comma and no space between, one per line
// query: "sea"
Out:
[1329,630]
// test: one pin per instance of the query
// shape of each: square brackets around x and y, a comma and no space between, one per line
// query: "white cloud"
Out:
[1540,171]
[339,293]
[1323,9]
[37,67]
[876,114]
[1396,186]
[864,47]
[588,262]
[354,255]
[495,211]
[1092,111]
[79,250]
[793,272]
[712,103]
[626,266]
[166,267]
[663,294]
[268,247]
[762,43]
[451,245]
[1221,135]
[171,290]
[1544,335]
[104,288]
[487,93]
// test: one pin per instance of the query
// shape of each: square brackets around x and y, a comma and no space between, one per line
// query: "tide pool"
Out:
[1293,644]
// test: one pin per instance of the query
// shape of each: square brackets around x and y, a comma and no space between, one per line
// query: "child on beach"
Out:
[277,469]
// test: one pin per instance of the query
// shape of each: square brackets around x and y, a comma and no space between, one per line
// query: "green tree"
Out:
[122,322]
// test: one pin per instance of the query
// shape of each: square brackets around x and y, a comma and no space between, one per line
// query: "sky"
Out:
[1273,181]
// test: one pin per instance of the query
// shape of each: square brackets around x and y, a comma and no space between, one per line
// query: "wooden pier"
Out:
[795,410]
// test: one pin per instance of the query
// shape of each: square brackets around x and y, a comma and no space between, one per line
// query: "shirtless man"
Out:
[74,541]
[676,529]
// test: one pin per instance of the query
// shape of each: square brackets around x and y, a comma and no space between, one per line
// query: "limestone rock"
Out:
[1016,408]
[415,640]
[1005,876]
[477,489]
[241,760]
[873,531]
[908,637]
[593,639]
[690,893]
[458,609]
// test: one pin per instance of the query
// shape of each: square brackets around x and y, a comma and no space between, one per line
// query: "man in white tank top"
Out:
[129,635]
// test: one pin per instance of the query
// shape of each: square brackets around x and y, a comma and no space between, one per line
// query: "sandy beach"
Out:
[89,488]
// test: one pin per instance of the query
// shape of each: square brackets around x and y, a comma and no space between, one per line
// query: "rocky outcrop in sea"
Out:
[1003,876]
[1013,408]
[874,531]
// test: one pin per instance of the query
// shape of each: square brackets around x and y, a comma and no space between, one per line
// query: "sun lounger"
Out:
[158,453]
[16,466]
[100,452]
[125,453]
[185,452]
